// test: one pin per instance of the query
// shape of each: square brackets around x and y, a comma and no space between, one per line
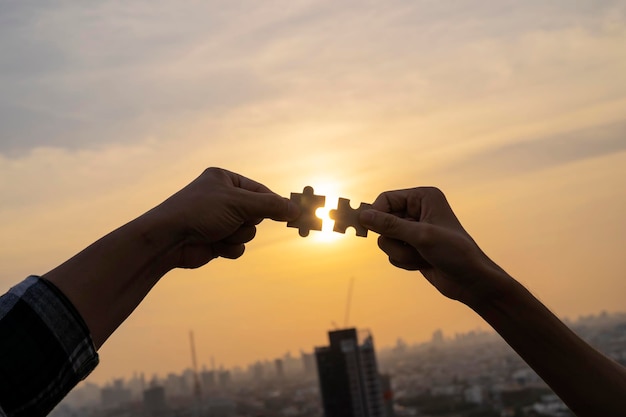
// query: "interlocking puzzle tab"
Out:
[345,216]
[309,203]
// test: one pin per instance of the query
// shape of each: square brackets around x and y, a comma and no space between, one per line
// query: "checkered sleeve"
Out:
[45,348]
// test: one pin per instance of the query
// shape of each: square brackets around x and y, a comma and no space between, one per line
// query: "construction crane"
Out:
[197,392]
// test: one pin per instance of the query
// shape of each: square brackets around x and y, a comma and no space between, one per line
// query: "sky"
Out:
[516,110]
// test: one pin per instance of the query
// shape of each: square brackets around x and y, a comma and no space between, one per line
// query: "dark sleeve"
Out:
[45,348]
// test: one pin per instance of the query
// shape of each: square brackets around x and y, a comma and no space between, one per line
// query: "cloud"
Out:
[79,75]
[535,154]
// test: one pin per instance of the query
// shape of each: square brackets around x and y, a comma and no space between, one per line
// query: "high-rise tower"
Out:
[348,376]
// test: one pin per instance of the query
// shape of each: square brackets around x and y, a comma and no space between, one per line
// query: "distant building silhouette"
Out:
[385,385]
[350,385]
[280,369]
[154,401]
[208,379]
[224,378]
[258,371]
[437,337]
[308,363]
[116,395]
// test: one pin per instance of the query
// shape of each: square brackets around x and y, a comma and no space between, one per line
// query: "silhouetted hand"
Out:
[216,215]
[419,231]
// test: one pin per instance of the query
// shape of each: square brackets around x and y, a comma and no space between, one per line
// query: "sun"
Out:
[326,234]
[330,190]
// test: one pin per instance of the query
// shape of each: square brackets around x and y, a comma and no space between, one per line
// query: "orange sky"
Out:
[518,115]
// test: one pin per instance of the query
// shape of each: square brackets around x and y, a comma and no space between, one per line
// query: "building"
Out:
[154,403]
[224,378]
[258,370]
[437,337]
[308,363]
[385,385]
[116,395]
[208,380]
[280,368]
[350,385]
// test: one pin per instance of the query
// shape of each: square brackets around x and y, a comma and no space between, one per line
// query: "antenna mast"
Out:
[196,380]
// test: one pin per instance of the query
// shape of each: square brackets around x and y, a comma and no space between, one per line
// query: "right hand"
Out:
[216,215]
[419,231]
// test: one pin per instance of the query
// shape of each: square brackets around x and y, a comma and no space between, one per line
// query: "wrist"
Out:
[494,286]
[162,236]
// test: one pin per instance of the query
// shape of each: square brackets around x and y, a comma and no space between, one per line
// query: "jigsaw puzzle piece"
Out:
[308,203]
[345,216]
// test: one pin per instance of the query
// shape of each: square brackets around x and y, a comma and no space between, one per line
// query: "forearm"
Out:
[419,231]
[587,381]
[108,279]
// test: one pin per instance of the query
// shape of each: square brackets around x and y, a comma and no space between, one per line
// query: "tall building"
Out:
[308,363]
[154,401]
[280,368]
[257,371]
[348,375]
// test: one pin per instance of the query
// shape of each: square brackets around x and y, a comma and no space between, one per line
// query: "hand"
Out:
[216,214]
[419,231]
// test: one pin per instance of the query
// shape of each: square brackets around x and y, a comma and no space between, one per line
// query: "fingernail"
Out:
[367,216]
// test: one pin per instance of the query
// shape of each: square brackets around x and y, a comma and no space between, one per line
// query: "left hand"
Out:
[419,231]
[217,213]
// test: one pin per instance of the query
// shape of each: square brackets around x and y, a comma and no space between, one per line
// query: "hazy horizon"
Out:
[517,111]
[380,349]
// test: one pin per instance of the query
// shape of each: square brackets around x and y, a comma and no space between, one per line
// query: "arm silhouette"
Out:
[52,326]
[419,231]
[214,216]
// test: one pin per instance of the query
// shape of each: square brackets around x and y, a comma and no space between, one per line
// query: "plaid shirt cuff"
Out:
[45,348]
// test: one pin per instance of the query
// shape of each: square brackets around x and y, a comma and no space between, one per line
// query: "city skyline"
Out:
[515,110]
[472,371]
[438,335]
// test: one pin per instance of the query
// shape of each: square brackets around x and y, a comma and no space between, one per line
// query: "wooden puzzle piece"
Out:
[345,216]
[308,203]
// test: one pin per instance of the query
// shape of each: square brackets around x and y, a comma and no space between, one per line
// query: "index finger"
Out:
[414,203]
[392,201]
[246,183]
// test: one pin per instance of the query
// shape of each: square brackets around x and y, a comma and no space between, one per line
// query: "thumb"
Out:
[392,226]
[269,205]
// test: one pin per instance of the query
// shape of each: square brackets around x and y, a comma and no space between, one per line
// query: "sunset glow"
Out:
[326,234]
[329,189]
[517,113]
